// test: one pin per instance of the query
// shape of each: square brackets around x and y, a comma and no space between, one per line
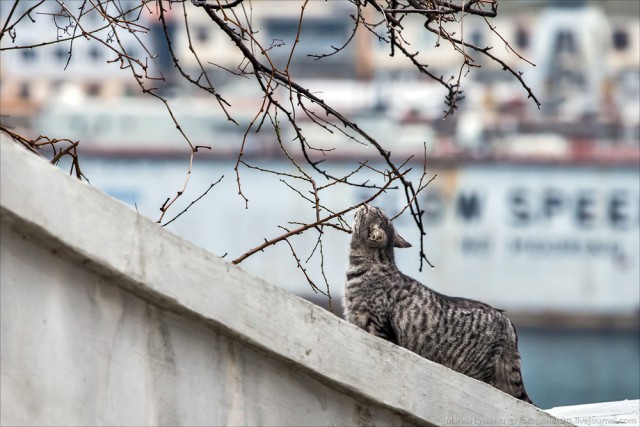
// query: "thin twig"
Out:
[193,202]
[305,227]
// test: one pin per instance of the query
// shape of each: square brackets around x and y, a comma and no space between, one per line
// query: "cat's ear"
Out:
[377,237]
[399,242]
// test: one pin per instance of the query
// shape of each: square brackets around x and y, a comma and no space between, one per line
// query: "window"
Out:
[565,42]
[60,53]
[28,55]
[476,38]
[94,53]
[132,51]
[93,89]
[522,38]
[620,39]
[201,33]
[25,91]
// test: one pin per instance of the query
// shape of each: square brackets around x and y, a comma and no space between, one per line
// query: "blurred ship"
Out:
[541,219]
[536,212]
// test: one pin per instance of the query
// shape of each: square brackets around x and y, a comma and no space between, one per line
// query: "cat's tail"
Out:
[508,375]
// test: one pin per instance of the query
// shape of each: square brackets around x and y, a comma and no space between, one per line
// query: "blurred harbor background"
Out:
[536,211]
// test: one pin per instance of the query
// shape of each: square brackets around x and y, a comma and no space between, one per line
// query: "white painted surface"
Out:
[109,320]
[626,412]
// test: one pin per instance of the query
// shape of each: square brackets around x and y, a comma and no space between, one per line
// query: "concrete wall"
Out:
[107,319]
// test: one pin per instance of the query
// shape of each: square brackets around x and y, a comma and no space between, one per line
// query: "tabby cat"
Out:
[467,336]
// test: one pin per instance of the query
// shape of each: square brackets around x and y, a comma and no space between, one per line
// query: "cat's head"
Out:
[372,228]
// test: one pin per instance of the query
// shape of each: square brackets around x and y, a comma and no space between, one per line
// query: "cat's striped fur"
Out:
[467,336]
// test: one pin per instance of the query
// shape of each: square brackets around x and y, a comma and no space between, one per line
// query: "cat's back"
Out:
[468,317]
[429,322]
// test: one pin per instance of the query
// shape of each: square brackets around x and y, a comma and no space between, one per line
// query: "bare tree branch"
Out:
[305,227]
[283,105]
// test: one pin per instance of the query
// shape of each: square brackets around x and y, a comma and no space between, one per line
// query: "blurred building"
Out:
[30,76]
[592,48]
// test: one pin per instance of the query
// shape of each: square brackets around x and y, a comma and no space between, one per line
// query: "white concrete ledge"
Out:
[104,237]
[625,412]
